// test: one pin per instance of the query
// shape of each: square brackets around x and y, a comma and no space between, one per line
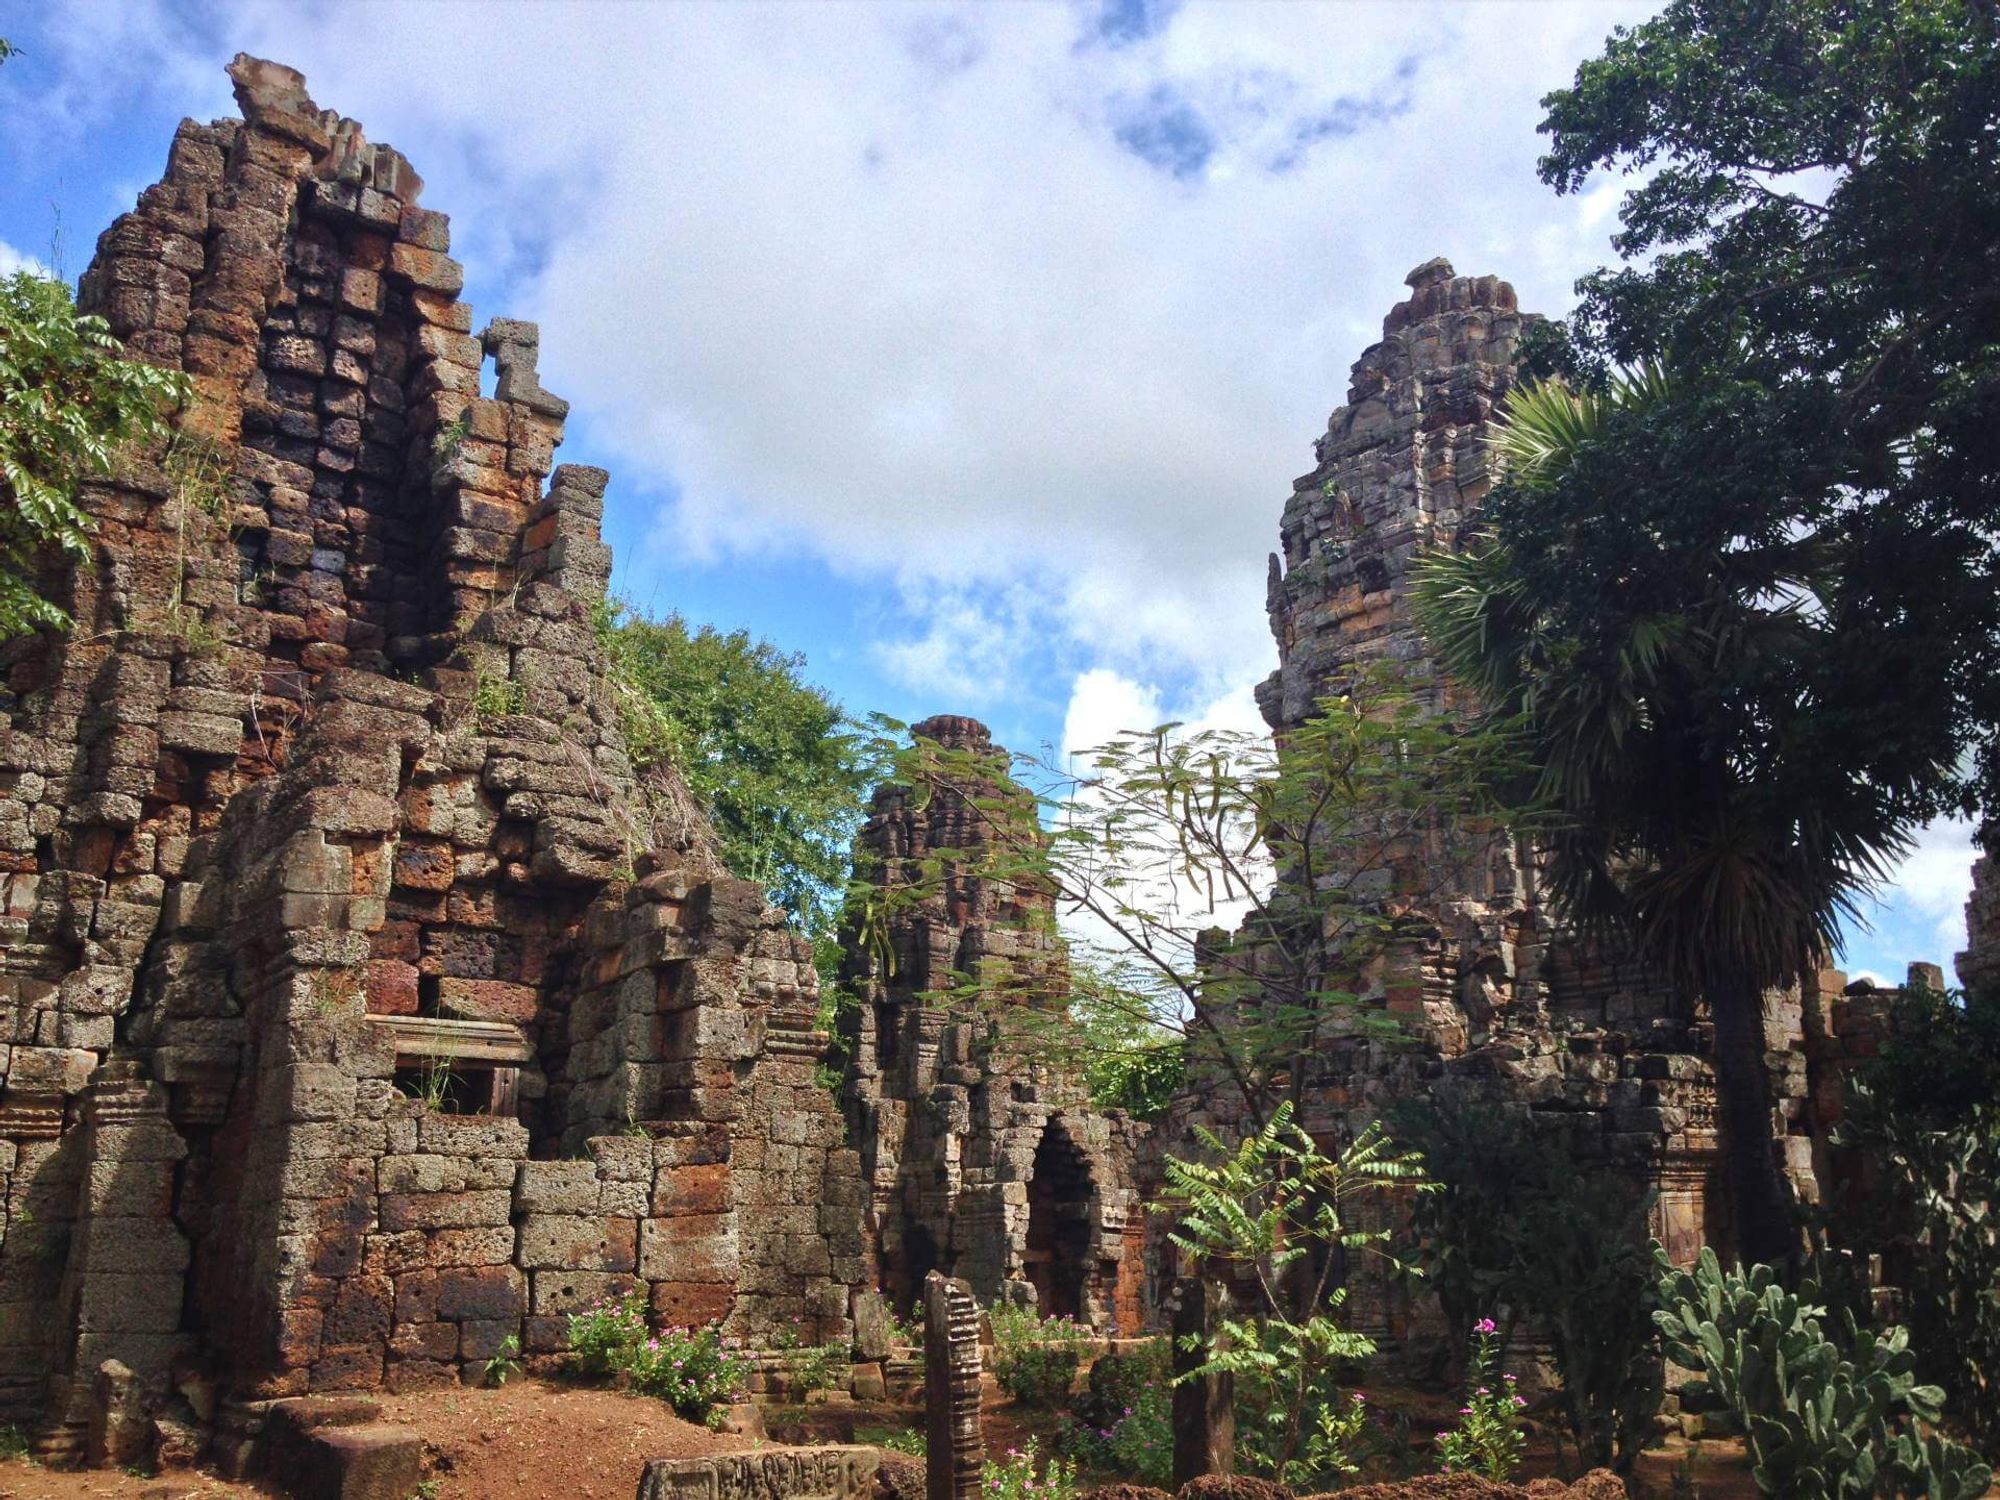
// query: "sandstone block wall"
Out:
[1498,1000]
[986,1164]
[361,1007]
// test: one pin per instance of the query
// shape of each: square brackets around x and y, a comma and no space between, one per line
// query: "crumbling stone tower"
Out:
[363,1008]
[980,1162]
[1496,998]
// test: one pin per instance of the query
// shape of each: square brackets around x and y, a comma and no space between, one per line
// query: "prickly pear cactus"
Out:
[1824,1417]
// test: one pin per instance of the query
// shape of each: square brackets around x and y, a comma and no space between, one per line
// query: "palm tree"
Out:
[1679,824]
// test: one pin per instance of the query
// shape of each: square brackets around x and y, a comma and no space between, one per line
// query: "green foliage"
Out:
[810,1368]
[603,1334]
[497,697]
[1927,1112]
[68,402]
[1823,1416]
[1277,1210]
[905,1440]
[1518,1228]
[1035,1359]
[1749,607]
[1155,834]
[13,1443]
[1123,1424]
[691,1369]
[1486,1440]
[506,1363]
[1021,1475]
[780,768]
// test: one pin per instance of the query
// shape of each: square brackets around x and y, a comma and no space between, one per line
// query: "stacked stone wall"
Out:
[950,1122]
[362,1008]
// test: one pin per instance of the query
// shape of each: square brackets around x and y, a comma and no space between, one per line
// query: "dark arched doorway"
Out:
[903,1273]
[1058,1250]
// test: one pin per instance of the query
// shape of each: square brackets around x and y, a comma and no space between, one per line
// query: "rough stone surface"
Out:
[986,1164]
[829,1473]
[1498,1001]
[331,909]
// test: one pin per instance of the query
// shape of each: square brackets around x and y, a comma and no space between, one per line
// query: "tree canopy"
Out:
[1814,253]
[68,400]
[1740,575]
[777,764]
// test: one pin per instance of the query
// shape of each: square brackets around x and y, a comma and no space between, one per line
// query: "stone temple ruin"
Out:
[322,809]
[1495,999]
[366,1010]
[991,1167]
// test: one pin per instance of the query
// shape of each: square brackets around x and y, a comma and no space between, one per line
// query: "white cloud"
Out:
[894,285]
[1934,880]
[12,260]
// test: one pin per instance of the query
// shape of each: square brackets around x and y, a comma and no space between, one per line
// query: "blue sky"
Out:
[969,351]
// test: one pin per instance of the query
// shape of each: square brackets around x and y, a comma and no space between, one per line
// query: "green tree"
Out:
[1927,1114]
[1746,596]
[69,402]
[778,766]
[1148,841]
[1277,1215]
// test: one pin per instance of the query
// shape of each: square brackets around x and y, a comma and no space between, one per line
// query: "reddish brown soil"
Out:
[526,1441]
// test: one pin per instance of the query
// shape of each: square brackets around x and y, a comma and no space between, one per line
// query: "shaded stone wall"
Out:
[982,1162]
[1495,998]
[332,912]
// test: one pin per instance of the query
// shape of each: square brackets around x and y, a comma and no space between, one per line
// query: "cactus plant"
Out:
[1823,1417]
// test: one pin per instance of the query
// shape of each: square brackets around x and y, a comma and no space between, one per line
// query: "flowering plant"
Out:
[1016,1478]
[604,1334]
[1487,1440]
[691,1369]
[1036,1359]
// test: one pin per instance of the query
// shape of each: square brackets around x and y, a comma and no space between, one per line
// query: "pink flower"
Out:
[1484,1325]
[1465,1411]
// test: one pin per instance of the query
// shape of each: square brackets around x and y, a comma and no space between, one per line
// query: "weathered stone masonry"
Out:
[357,1014]
[985,1164]
[1498,1000]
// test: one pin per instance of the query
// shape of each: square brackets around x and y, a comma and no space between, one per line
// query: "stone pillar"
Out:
[1204,1405]
[955,1450]
[127,1263]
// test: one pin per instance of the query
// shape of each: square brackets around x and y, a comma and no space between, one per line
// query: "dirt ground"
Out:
[528,1440]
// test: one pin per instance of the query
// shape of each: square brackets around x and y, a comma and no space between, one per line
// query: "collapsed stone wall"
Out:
[1496,1000]
[362,1007]
[984,1162]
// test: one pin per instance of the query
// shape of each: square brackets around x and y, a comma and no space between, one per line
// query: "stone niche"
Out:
[980,1163]
[363,1008]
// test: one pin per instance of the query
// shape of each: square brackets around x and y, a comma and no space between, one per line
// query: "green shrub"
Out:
[1486,1440]
[1123,1423]
[810,1368]
[1927,1113]
[688,1368]
[603,1335]
[1822,1418]
[1519,1228]
[1035,1359]
[1021,1476]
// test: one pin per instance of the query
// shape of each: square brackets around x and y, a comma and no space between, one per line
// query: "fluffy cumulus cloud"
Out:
[1050,298]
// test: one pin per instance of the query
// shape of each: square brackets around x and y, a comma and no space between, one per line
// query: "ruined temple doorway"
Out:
[903,1274]
[1057,1260]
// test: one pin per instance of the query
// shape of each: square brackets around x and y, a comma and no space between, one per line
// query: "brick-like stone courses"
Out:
[324,806]
[950,1133]
[1500,1002]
